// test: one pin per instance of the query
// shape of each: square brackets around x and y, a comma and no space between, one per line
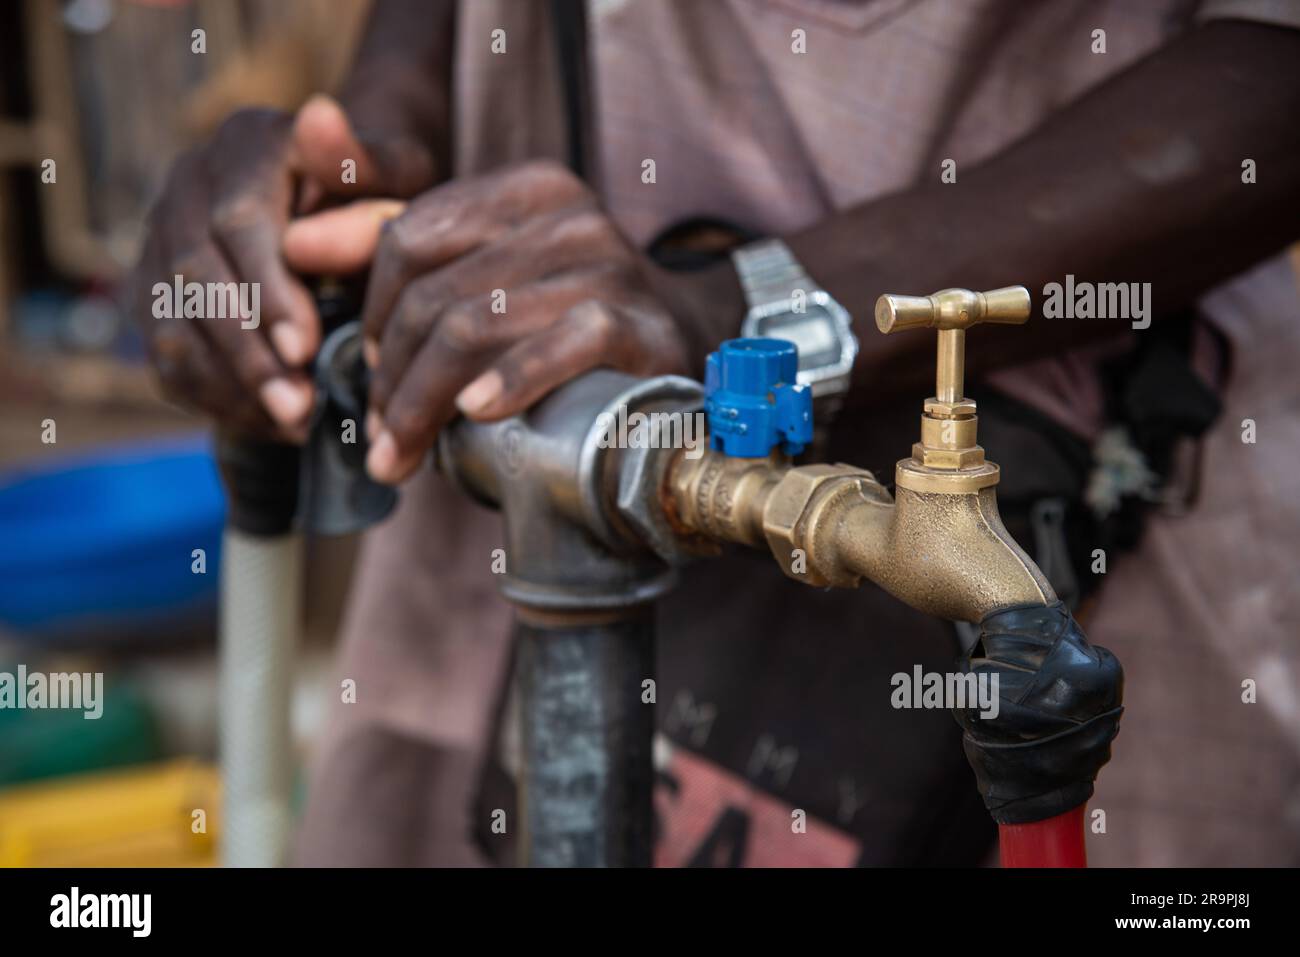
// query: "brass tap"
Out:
[940,545]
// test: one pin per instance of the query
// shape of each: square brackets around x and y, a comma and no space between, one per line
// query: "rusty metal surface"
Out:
[586,775]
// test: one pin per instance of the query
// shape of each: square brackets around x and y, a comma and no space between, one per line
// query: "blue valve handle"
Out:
[753,400]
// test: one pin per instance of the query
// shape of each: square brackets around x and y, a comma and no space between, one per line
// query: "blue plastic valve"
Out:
[753,400]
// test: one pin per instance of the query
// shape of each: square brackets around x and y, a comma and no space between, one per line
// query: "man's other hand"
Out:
[220,220]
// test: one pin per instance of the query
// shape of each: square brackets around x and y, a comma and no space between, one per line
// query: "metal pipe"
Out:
[583,587]
[586,777]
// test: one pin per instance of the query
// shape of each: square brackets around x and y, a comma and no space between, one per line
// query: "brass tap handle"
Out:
[952,309]
[952,312]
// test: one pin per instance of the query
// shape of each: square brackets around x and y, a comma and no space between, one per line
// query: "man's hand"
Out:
[487,293]
[220,219]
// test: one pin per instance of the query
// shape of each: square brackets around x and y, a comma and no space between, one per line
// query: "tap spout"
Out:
[945,553]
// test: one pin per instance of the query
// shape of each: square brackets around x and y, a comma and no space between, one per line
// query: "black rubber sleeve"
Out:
[1059,705]
[261,481]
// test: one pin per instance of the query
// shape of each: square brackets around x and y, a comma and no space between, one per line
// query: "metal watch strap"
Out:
[769,272]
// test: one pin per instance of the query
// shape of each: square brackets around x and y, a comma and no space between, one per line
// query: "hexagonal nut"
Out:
[961,409]
[641,479]
[948,458]
[786,514]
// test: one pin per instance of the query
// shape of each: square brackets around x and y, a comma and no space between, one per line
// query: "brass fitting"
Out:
[940,546]
[945,553]
[759,502]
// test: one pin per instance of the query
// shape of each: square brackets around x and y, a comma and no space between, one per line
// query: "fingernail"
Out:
[370,352]
[289,343]
[480,393]
[374,425]
[288,403]
[381,462]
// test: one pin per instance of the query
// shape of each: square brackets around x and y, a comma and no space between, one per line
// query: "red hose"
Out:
[1055,842]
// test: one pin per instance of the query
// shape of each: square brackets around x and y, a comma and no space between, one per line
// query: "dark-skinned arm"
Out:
[1138,181]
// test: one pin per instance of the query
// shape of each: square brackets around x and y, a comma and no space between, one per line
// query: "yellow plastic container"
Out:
[142,817]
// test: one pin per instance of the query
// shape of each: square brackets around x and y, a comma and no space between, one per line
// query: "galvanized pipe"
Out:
[583,585]
[586,726]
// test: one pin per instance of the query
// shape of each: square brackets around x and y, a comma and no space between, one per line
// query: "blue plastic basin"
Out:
[103,541]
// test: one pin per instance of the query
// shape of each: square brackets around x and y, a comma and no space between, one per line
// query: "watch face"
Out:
[813,332]
[822,333]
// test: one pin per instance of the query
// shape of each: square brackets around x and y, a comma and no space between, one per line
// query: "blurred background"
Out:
[98,527]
